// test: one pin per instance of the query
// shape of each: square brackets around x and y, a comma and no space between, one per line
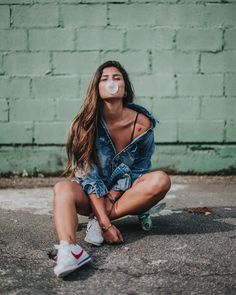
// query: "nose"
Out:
[111,78]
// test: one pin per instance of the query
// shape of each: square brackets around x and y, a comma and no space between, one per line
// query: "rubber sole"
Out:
[92,242]
[67,271]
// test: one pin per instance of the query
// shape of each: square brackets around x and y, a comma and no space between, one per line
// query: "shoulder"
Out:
[143,121]
[143,124]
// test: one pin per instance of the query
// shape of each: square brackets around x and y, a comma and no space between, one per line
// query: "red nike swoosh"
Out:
[77,256]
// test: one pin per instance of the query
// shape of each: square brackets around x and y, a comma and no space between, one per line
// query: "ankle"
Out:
[68,241]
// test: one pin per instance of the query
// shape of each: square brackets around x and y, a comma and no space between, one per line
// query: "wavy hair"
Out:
[81,135]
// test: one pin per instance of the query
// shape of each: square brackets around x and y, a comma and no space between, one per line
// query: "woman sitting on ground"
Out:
[109,149]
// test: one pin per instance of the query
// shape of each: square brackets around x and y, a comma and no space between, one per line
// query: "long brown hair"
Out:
[81,135]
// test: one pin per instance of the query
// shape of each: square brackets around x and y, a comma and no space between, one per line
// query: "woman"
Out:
[109,148]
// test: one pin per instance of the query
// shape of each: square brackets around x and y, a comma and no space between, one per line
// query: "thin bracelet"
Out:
[105,228]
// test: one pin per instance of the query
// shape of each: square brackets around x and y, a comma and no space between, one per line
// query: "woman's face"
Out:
[111,84]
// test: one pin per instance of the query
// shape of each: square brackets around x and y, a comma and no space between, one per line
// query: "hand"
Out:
[113,236]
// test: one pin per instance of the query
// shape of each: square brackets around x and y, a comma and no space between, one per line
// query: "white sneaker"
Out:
[94,233]
[69,258]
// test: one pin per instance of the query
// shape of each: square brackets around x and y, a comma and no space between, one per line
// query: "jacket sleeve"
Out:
[91,182]
[143,164]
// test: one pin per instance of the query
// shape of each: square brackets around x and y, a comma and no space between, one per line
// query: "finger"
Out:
[120,237]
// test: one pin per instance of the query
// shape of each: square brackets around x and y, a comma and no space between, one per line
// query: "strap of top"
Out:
[134,127]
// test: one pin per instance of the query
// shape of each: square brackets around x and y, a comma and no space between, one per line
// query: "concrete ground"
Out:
[185,253]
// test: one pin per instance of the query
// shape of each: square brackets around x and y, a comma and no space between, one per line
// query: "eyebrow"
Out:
[106,75]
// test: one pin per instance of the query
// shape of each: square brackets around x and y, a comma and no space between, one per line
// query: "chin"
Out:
[112,97]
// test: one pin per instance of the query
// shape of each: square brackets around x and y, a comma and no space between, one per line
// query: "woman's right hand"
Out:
[113,236]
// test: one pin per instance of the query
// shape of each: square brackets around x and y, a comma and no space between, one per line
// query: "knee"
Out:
[63,191]
[160,183]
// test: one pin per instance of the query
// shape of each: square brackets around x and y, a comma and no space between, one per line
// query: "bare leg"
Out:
[69,198]
[146,192]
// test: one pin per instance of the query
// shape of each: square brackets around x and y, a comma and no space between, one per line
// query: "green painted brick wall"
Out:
[181,56]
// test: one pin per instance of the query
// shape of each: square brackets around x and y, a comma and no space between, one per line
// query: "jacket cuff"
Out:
[123,183]
[121,178]
[96,187]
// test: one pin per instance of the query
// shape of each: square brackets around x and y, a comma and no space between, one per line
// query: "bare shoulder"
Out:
[143,121]
[142,125]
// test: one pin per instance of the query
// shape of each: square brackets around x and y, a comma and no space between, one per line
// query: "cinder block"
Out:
[51,133]
[5,16]
[198,39]
[17,87]
[200,158]
[174,62]
[46,159]
[66,110]
[146,102]
[132,15]
[92,1]
[51,39]
[35,15]
[76,62]
[202,15]
[166,131]
[22,63]
[172,108]
[201,131]
[84,15]
[230,39]
[148,38]
[19,1]
[84,83]
[205,85]
[218,15]
[32,110]
[20,132]
[153,85]
[1,64]
[218,108]
[3,110]
[177,15]
[231,130]
[154,1]
[13,40]
[230,84]
[99,38]
[132,61]
[55,87]
[219,62]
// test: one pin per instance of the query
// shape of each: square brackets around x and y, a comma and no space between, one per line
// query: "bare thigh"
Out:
[154,179]
[145,192]
[68,189]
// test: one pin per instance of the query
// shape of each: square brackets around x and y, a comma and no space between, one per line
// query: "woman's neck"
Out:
[113,111]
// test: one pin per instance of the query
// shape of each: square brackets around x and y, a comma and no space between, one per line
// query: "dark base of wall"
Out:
[174,159]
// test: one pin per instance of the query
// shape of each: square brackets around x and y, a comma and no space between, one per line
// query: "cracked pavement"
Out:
[185,253]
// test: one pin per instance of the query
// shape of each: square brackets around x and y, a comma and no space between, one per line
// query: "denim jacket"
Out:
[118,171]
